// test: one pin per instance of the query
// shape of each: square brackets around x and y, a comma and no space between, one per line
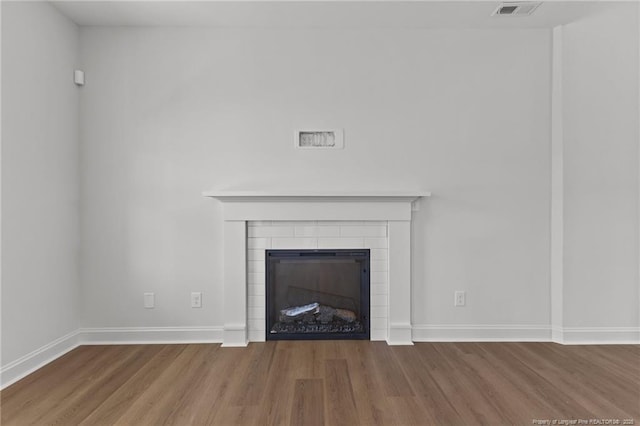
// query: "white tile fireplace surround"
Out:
[254,222]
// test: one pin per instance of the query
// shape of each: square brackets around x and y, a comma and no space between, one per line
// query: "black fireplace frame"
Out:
[363,256]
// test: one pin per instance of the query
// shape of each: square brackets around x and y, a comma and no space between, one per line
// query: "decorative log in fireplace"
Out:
[317,294]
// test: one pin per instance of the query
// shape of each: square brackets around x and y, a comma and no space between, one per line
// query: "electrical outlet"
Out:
[460,297]
[149,300]
[196,299]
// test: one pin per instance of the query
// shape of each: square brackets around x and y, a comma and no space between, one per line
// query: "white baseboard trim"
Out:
[23,366]
[149,335]
[600,336]
[481,333]
[526,333]
[27,364]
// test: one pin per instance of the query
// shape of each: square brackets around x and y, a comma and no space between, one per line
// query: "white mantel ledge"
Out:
[317,205]
[313,195]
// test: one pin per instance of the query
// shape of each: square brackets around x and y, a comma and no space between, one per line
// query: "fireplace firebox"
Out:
[317,294]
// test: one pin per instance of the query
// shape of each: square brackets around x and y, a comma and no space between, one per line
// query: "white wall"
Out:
[167,113]
[600,95]
[39,178]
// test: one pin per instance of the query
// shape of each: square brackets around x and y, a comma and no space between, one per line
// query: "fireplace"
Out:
[317,294]
[255,221]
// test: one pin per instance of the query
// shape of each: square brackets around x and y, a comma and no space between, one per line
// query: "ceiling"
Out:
[321,14]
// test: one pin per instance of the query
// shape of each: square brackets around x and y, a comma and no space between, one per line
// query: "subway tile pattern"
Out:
[262,235]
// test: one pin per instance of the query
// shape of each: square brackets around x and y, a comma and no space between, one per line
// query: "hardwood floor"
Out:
[330,383]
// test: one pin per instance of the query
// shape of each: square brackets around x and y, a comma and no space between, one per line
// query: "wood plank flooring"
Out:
[330,383]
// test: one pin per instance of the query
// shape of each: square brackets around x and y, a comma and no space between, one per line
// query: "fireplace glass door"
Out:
[317,294]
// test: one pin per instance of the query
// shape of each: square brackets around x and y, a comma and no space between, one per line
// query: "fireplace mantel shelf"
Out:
[225,195]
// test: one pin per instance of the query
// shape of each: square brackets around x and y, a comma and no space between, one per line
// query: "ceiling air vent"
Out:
[516,9]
